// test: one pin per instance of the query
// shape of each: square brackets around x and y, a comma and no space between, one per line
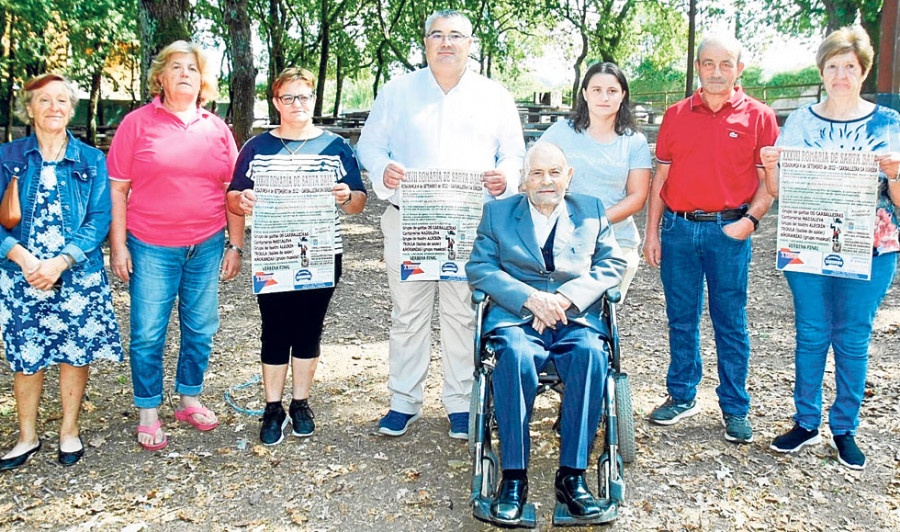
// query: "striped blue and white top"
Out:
[327,153]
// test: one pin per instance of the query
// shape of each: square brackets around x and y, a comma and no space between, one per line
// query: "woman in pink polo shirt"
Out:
[169,165]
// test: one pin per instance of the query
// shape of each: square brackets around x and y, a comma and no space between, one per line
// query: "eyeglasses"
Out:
[288,99]
[454,37]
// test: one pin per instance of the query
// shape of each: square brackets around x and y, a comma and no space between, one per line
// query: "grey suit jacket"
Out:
[506,261]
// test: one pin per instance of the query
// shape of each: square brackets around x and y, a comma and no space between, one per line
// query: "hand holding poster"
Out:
[826,214]
[293,232]
[439,215]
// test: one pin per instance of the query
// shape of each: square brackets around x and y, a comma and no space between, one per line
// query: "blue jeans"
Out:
[835,312]
[694,253]
[581,360]
[160,274]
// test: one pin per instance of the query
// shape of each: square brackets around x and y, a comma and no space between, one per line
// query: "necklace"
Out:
[293,152]
[58,154]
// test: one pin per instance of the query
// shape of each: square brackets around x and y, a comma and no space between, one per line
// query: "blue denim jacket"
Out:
[83,192]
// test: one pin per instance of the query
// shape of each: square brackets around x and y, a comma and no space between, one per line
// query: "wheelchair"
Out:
[617,424]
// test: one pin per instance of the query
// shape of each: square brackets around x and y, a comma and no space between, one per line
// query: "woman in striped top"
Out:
[292,321]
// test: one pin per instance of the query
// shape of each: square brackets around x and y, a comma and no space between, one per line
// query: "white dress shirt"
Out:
[474,126]
[544,224]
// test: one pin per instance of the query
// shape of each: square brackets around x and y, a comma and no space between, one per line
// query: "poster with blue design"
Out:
[439,215]
[293,231]
[826,214]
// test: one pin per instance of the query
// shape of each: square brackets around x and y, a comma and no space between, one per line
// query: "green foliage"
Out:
[651,78]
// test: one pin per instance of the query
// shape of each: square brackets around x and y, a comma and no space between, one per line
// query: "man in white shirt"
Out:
[442,116]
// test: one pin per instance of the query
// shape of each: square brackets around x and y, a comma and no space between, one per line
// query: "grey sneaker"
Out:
[737,428]
[673,411]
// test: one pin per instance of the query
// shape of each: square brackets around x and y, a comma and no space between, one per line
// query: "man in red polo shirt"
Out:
[709,194]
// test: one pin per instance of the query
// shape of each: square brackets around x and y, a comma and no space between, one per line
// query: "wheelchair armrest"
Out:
[478,296]
[613,295]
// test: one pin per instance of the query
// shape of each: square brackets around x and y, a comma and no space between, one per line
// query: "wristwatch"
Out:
[348,200]
[70,261]
[235,248]
[753,219]
[894,179]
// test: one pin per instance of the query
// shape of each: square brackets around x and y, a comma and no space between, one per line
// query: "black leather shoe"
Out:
[18,461]
[72,458]
[572,491]
[507,505]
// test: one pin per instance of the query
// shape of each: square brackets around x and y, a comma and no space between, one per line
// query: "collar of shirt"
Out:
[461,83]
[544,224]
[697,103]
[159,107]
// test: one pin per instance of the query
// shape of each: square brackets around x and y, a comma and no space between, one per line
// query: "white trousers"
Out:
[633,258]
[410,335]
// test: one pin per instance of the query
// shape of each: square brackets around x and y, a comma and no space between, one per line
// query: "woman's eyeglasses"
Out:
[288,99]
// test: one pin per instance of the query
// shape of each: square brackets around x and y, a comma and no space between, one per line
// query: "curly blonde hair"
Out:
[208,80]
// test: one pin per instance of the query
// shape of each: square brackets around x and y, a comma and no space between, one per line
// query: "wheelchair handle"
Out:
[612,295]
[478,296]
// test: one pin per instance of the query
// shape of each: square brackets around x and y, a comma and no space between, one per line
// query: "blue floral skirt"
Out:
[75,325]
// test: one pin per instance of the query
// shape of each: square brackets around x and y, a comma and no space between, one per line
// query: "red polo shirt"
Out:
[713,156]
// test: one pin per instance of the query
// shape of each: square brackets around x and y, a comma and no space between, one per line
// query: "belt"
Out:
[701,216]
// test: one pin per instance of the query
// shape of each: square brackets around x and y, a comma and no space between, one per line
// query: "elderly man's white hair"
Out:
[726,41]
[448,13]
[542,146]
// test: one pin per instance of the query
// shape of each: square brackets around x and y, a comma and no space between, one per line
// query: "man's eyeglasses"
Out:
[288,99]
[453,37]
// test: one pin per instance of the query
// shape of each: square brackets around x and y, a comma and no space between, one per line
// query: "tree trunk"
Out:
[93,104]
[11,79]
[276,53]
[339,86]
[162,22]
[692,32]
[323,60]
[578,62]
[243,73]
[379,68]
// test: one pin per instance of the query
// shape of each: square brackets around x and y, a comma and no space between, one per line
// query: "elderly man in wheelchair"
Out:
[545,260]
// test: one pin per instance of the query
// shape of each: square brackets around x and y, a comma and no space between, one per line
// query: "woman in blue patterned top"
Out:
[55,302]
[610,156]
[292,322]
[838,312]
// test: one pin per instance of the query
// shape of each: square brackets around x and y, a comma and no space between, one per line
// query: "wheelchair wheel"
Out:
[625,419]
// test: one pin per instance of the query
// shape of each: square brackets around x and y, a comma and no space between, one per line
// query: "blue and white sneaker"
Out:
[397,423]
[459,425]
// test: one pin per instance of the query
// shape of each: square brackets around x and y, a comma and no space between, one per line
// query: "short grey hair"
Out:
[448,13]
[540,146]
[26,94]
[725,41]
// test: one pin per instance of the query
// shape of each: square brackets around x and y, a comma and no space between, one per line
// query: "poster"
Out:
[293,231]
[439,215]
[826,215]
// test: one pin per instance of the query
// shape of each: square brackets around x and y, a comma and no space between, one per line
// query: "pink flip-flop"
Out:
[188,415]
[151,430]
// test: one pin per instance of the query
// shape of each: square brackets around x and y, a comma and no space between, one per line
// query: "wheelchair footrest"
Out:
[617,490]
[481,509]
[562,517]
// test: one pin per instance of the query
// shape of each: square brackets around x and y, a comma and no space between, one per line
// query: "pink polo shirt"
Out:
[178,174]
